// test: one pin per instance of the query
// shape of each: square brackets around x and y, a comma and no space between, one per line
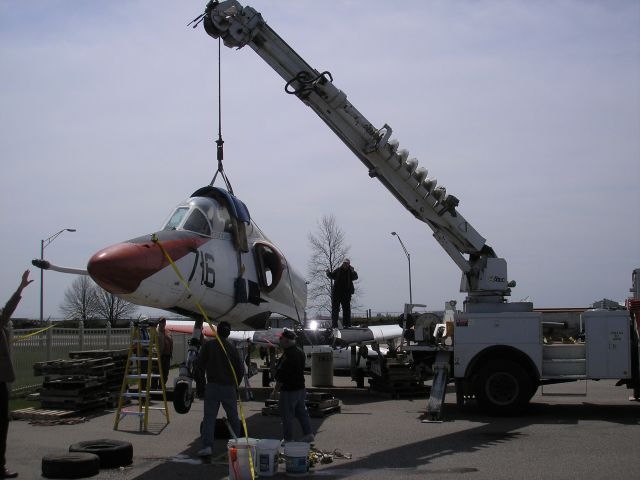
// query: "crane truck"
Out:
[497,351]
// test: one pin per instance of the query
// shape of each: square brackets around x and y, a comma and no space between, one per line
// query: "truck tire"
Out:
[70,465]
[182,399]
[503,387]
[112,453]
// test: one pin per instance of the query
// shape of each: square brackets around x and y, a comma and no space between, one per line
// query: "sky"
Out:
[528,112]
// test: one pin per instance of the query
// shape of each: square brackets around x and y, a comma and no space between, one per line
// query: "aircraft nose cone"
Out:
[120,268]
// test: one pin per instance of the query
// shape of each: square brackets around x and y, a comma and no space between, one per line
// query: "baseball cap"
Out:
[286,333]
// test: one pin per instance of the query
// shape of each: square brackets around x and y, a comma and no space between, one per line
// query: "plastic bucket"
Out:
[267,463]
[239,467]
[297,457]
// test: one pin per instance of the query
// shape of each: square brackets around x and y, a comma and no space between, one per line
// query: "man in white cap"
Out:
[290,385]
[341,292]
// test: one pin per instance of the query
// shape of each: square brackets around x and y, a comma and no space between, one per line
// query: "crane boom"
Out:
[484,275]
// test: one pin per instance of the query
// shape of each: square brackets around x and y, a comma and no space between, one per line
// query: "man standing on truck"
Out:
[341,292]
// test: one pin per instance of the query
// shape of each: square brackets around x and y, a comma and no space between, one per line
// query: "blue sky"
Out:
[528,112]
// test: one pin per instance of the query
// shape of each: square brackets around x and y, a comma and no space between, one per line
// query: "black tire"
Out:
[70,465]
[112,453]
[503,387]
[182,398]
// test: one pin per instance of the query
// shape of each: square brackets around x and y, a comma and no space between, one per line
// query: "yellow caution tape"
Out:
[24,337]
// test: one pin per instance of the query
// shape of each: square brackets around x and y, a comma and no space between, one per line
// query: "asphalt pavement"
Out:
[587,430]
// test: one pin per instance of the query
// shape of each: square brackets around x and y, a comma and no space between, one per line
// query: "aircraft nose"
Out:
[120,268]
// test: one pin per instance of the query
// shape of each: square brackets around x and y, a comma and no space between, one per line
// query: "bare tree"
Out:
[328,250]
[113,308]
[80,300]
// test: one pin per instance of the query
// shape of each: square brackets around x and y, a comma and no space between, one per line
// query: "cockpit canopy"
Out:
[207,211]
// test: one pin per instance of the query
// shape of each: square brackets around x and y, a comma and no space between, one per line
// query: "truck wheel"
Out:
[182,398]
[502,387]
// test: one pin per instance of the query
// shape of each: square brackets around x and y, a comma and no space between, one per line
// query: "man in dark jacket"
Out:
[222,384]
[7,374]
[341,292]
[290,387]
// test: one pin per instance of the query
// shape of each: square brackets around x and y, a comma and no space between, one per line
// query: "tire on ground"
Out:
[112,453]
[503,387]
[70,465]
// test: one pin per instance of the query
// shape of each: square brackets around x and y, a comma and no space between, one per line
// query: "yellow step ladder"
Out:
[144,353]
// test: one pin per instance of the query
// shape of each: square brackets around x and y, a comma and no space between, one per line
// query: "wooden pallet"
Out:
[323,412]
[395,389]
[32,413]
[81,404]
[318,405]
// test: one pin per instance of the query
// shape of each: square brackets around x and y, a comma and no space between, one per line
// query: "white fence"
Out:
[29,347]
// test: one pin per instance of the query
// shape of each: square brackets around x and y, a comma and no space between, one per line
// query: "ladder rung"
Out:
[134,394]
[126,412]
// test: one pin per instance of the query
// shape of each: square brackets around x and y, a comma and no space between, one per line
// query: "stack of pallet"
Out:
[91,379]
[397,379]
[318,405]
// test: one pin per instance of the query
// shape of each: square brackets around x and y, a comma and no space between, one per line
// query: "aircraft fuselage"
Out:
[233,271]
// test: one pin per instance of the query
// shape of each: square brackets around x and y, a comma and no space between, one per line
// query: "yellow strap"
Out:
[154,239]
[24,337]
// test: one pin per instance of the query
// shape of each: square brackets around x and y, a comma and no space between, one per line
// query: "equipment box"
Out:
[607,339]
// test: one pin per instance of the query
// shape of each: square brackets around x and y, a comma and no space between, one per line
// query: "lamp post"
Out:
[409,260]
[43,244]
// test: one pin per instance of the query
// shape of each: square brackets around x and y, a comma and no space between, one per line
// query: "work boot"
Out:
[205,452]
[6,473]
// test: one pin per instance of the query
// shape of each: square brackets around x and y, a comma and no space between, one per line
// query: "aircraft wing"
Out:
[269,338]
[364,335]
[260,337]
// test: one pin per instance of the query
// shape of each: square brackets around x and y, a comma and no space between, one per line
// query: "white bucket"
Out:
[267,463]
[238,450]
[297,457]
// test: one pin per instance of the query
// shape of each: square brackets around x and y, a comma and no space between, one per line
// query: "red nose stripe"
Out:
[120,268]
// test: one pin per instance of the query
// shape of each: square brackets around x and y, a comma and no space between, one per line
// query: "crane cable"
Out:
[219,141]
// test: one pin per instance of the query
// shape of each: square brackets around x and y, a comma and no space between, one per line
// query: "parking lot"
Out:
[567,436]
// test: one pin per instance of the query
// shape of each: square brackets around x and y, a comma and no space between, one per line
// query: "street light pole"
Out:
[43,244]
[408,260]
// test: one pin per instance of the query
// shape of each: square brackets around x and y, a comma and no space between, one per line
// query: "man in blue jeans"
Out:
[222,384]
[290,386]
